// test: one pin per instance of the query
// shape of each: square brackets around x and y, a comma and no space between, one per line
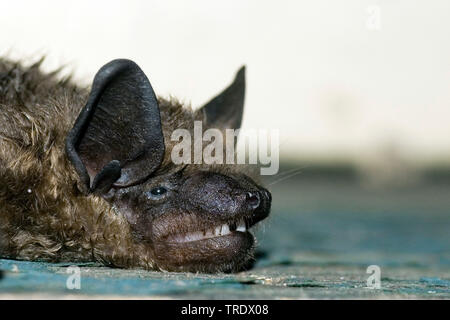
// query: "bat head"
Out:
[193,217]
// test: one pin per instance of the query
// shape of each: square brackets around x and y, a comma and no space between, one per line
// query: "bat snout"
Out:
[227,197]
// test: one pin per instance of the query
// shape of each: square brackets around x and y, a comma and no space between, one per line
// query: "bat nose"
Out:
[253,199]
[268,195]
[259,203]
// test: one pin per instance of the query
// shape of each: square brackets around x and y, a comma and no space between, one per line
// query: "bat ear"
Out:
[225,110]
[117,139]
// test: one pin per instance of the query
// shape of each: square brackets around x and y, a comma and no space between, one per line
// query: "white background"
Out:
[337,90]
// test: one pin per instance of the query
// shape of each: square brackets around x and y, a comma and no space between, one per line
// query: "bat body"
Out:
[86,175]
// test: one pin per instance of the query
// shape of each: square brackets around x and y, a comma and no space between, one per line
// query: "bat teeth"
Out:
[191,236]
[221,230]
[225,230]
[218,231]
[242,226]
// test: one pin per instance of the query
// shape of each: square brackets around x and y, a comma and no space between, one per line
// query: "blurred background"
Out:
[356,83]
[359,89]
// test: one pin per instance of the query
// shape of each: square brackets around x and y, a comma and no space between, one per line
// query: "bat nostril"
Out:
[253,199]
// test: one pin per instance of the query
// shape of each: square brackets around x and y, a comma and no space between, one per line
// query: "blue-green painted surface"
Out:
[318,243]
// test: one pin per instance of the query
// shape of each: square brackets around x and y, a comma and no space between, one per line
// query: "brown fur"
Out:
[45,213]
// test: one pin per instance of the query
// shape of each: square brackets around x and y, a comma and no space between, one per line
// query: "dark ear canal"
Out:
[225,111]
[117,139]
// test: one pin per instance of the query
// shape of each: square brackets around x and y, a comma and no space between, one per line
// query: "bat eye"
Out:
[158,191]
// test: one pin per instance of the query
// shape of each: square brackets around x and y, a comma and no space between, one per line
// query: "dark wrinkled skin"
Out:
[196,200]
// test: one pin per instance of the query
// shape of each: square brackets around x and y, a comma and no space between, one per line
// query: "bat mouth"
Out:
[207,235]
[222,230]
[221,247]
